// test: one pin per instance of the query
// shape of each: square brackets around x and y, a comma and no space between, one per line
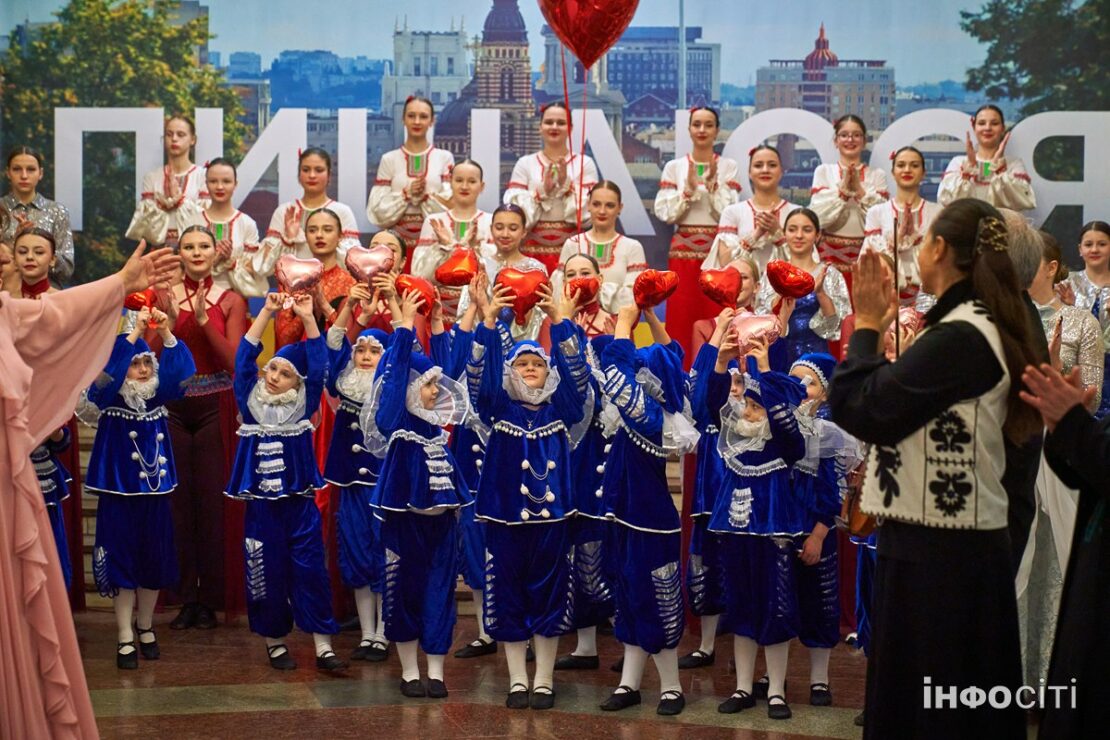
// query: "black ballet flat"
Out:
[517,698]
[149,650]
[738,702]
[282,661]
[413,689]
[778,711]
[618,667]
[378,652]
[670,703]
[436,689]
[477,649]
[127,661]
[619,700]
[543,698]
[185,618]
[578,663]
[819,695]
[697,659]
[329,661]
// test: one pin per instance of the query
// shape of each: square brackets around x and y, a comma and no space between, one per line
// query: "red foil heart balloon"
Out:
[525,285]
[721,286]
[652,287]
[426,290]
[297,276]
[137,301]
[458,269]
[789,281]
[587,288]
[754,326]
[588,27]
[365,263]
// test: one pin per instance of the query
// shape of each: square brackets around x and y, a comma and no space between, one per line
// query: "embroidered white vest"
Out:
[949,472]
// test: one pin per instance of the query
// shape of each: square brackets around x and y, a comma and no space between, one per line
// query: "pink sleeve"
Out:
[65,338]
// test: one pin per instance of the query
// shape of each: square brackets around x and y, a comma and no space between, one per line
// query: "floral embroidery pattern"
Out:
[950,433]
[887,463]
[950,491]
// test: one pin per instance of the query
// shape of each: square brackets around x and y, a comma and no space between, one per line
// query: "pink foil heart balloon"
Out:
[296,276]
[750,327]
[365,263]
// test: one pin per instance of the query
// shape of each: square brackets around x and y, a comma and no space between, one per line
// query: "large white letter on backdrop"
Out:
[287,133]
[70,126]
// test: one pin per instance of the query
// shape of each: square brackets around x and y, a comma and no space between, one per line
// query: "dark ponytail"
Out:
[976,232]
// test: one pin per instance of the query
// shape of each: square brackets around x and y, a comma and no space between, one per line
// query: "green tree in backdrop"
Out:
[1054,55]
[100,53]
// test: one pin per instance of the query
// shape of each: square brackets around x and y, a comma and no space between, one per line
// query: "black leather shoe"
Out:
[280,658]
[819,695]
[378,652]
[128,661]
[618,667]
[185,618]
[329,661]
[150,649]
[206,618]
[518,697]
[578,663]
[362,652]
[619,700]
[697,659]
[436,689]
[858,721]
[543,698]
[413,689]
[477,649]
[779,709]
[671,703]
[738,702]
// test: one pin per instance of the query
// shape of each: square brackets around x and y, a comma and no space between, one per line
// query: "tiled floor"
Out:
[218,684]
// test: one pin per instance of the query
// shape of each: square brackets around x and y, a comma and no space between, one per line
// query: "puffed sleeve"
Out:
[107,385]
[671,202]
[828,202]
[393,374]
[275,244]
[385,206]
[828,327]
[518,194]
[639,411]
[175,366]
[242,275]
[317,352]
[349,237]
[728,187]
[873,239]
[432,205]
[1091,355]
[728,236]
[875,189]
[569,398]
[339,355]
[491,390]
[1010,186]
[957,181]
[246,372]
[429,253]
[63,240]
[613,296]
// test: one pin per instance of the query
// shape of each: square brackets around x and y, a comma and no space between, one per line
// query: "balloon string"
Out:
[582,151]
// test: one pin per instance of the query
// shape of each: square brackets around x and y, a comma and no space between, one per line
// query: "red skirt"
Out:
[74,517]
[545,242]
[689,247]
[327,501]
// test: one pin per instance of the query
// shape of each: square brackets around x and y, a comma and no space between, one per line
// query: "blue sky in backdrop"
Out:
[923,41]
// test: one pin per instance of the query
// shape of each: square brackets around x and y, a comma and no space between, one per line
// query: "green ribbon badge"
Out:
[600,249]
[218,229]
[417,162]
[701,170]
[986,169]
[462,229]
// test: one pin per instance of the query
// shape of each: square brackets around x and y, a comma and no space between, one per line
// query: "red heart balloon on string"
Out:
[652,287]
[588,28]
[365,263]
[750,327]
[140,300]
[458,269]
[426,290]
[789,281]
[525,285]
[587,288]
[721,286]
[297,276]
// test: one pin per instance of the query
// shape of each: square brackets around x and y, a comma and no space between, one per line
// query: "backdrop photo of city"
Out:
[254,58]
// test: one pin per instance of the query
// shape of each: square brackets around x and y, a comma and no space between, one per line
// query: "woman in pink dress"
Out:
[42,682]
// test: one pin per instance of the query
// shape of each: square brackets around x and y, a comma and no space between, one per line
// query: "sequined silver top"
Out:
[49,215]
[1080,341]
[826,327]
[1091,298]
